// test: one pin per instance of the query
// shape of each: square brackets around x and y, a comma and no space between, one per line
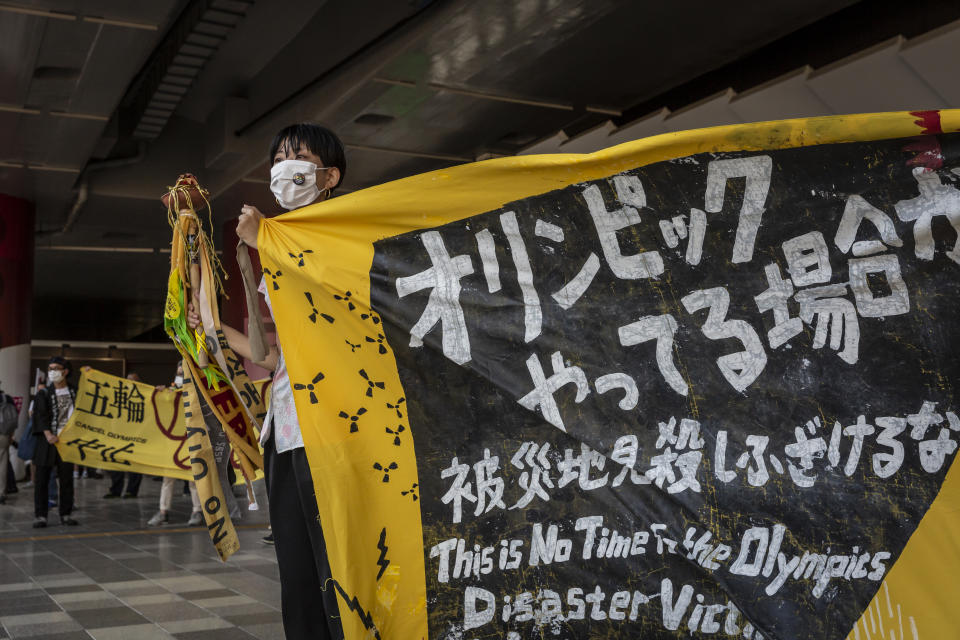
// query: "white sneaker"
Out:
[159,518]
[196,519]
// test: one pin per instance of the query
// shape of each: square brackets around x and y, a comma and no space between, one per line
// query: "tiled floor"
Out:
[112,577]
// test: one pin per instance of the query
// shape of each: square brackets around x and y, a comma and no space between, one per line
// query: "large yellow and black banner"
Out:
[698,385]
[122,425]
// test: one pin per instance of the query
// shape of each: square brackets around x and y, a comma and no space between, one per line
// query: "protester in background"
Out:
[166,489]
[8,426]
[308,162]
[28,445]
[117,477]
[51,412]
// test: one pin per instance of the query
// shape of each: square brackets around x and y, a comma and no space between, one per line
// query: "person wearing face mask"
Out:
[166,489]
[307,165]
[53,407]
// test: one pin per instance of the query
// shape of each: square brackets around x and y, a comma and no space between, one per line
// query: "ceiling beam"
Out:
[74,17]
[17,164]
[407,152]
[43,13]
[497,97]
[114,22]
[34,111]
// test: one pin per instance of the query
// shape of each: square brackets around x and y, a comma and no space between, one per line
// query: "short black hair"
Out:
[318,140]
[63,362]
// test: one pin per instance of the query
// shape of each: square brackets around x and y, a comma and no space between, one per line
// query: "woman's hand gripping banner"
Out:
[701,384]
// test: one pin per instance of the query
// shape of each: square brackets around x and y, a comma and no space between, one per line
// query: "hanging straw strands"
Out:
[193,262]
[179,200]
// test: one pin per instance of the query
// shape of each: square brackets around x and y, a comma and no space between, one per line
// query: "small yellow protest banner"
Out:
[122,425]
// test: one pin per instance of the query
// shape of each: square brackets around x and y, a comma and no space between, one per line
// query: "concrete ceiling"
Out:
[103,104]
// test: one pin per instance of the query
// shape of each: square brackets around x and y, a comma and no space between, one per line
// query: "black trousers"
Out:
[41,489]
[11,476]
[116,482]
[308,600]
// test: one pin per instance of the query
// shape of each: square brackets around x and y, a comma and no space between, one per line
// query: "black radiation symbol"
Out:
[378,341]
[396,433]
[314,312]
[274,277]
[353,418]
[309,387]
[299,257]
[371,384]
[412,492]
[346,298]
[386,469]
[372,317]
[396,407]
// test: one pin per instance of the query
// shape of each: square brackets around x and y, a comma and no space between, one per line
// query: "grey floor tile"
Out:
[128,585]
[217,569]
[44,629]
[33,590]
[126,555]
[144,590]
[152,598]
[83,596]
[272,631]
[104,617]
[236,610]
[64,635]
[267,570]
[205,594]
[188,582]
[198,624]
[171,611]
[108,601]
[33,602]
[70,579]
[200,564]
[131,632]
[215,634]
[112,574]
[21,620]
[149,565]
[73,589]
[247,619]
[225,601]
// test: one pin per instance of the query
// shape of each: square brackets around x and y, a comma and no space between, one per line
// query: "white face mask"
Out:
[294,183]
[178,381]
[54,376]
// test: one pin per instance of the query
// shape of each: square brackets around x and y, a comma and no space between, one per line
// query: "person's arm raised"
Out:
[237,340]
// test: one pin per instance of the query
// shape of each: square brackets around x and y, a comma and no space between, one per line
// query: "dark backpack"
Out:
[9,416]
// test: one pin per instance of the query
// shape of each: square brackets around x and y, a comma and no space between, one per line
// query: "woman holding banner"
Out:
[308,163]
